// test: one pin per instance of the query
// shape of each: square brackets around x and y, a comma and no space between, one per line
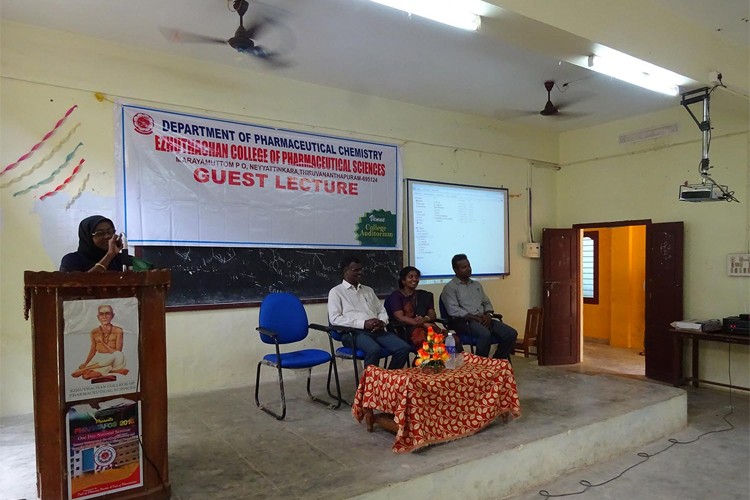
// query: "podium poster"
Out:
[100,347]
[104,451]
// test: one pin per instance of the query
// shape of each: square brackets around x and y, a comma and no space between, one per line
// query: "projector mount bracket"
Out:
[694,96]
[703,95]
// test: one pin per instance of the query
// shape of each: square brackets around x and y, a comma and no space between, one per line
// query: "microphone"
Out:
[127,260]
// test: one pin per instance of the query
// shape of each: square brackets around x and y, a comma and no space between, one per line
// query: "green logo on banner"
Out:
[377,229]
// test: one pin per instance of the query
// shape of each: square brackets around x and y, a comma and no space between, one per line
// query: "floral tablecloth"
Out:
[431,408]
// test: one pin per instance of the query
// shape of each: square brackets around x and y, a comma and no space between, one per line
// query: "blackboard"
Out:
[206,277]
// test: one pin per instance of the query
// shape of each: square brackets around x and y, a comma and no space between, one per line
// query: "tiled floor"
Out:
[221,446]
[601,358]
[716,466]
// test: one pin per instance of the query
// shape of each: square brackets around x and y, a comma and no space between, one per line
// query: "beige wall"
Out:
[44,73]
[604,181]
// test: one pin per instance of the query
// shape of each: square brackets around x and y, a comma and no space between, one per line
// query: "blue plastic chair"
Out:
[338,333]
[283,321]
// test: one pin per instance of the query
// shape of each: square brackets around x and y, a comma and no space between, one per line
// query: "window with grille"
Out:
[590,267]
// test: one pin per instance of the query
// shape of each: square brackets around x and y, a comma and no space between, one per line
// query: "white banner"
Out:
[192,180]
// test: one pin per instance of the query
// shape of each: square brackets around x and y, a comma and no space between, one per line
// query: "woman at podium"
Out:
[99,248]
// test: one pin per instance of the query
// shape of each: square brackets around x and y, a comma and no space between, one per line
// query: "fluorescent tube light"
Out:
[451,12]
[633,70]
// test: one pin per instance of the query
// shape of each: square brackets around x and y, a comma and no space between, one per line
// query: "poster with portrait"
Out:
[100,347]
[104,448]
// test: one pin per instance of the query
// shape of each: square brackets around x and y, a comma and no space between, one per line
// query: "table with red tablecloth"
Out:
[431,408]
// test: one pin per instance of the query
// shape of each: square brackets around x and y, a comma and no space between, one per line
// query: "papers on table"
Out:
[697,325]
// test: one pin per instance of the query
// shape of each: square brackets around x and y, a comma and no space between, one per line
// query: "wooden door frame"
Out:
[561,284]
[665,246]
[612,224]
[591,225]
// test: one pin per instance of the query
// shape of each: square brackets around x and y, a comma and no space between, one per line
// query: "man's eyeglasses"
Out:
[105,233]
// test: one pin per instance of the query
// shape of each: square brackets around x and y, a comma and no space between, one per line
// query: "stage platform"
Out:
[222,447]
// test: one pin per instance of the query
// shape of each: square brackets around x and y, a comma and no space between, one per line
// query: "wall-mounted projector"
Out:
[703,192]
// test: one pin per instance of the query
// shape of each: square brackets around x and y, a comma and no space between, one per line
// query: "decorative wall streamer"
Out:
[43,160]
[79,193]
[38,144]
[53,174]
[66,181]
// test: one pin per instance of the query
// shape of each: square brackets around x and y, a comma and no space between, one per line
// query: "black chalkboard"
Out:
[205,277]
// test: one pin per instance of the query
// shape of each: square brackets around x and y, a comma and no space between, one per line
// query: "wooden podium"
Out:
[57,298]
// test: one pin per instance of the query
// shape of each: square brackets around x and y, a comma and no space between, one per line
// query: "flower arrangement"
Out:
[433,354]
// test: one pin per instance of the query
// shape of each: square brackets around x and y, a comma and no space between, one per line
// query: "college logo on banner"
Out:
[192,180]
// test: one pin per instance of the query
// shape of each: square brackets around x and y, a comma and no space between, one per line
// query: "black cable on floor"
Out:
[645,456]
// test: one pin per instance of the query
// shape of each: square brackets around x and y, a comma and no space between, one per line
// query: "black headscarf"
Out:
[86,244]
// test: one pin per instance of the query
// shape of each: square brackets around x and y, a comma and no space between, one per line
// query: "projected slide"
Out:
[447,219]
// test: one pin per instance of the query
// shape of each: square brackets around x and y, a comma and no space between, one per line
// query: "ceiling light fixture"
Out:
[635,71]
[451,12]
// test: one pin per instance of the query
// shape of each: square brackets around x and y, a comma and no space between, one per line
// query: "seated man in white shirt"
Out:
[356,306]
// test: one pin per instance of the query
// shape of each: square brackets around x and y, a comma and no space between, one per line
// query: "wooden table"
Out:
[695,337]
[428,408]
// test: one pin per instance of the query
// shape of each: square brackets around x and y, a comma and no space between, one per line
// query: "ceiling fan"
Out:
[560,109]
[549,108]
[244,39]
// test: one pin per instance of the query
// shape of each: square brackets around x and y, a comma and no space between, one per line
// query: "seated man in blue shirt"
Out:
[465,298]
[354,305]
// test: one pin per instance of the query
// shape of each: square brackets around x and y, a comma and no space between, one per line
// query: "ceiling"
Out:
[367,48]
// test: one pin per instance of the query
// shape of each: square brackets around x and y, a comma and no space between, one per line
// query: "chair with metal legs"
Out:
[339,333]
[283,321]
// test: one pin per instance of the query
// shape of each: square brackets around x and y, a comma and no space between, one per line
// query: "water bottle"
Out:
[450,347]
